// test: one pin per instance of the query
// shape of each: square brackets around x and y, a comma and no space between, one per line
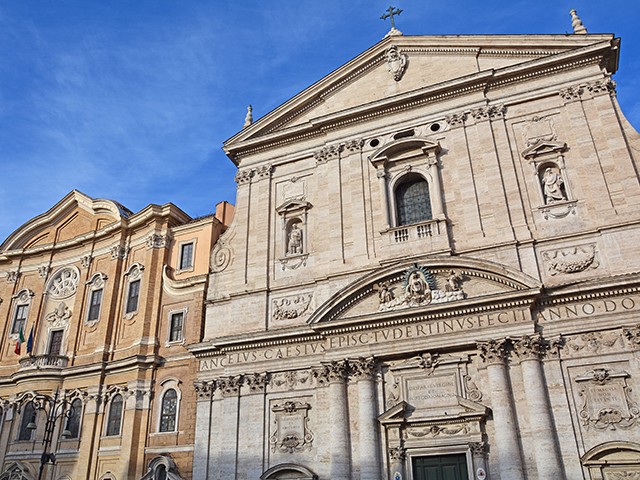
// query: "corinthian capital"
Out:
[363,367]
[334,371]
[529,347]
[493,351]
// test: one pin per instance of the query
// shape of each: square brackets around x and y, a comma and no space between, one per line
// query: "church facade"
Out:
[431,272]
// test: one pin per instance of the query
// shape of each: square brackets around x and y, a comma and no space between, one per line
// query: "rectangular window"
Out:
[186,256]
[134,293]
[20,318]
[56,342]
[175,334]
[94,305]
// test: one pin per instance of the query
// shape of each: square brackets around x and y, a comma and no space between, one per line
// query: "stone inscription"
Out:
[595,307]
[432,392]
[418,330]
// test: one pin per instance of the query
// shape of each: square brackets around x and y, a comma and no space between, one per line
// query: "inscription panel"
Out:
[432,392]
[371,337]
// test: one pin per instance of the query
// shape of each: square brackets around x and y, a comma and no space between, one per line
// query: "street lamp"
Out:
[56,409]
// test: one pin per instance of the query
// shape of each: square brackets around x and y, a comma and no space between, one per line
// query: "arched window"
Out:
[28,416]
[160,473]
[169,410]
[413,204]
[73,423]
[115,416]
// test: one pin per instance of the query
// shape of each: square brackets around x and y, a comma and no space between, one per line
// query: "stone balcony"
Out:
[43,361]
[429,236]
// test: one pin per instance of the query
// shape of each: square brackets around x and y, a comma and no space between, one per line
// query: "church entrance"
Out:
[440,467]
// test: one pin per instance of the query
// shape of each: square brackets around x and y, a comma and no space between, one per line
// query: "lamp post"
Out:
[56,409]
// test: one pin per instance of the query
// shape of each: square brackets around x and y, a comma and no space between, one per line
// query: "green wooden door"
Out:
[440,467]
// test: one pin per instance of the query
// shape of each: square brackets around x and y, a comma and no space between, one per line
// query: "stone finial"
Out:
[576,23]
[248,120]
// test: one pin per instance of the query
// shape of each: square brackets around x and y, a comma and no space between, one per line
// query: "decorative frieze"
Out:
[591,342]
[292,307]
[571,260]
[291,379]
[158,241]
[437,430]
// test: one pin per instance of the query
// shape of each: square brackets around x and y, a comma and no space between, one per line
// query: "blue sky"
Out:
[131,100]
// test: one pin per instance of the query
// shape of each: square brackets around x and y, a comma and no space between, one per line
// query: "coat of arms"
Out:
[396,62]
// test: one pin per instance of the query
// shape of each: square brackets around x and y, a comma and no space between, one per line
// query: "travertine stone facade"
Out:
[111,297]
[432,265]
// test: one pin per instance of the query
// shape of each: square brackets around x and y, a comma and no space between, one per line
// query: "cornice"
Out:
[552,63]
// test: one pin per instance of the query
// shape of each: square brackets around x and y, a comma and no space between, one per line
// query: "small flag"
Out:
[19,342]
[30,342]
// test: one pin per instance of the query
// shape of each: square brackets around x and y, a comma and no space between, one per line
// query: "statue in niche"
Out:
[552,183]
[295,240]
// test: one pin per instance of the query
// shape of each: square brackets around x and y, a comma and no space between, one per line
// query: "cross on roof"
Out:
[390,15]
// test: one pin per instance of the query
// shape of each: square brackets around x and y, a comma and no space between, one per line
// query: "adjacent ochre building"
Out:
[431,272]
[111,297]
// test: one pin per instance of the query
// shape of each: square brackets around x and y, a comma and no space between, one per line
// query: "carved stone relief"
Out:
[539,129]
[44,271]
[158,241]
[291,379]
[59,318]
[291,433]
[606,400]
[396,62]
[419,288]
[571,260]
[327,153]
[243,176]
[456,119]
[229,386]
[473,392]
[590,343]
[12,276]
[85,261]
[118,252]
[291,307]
[256,382]
[64,283]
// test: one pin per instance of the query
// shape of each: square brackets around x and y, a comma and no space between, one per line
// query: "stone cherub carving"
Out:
[384,292]
[295,240]
[453,282]
[552,183]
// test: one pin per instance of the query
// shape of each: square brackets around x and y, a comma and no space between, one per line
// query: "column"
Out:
[204,392]
[506,436]
[545,448]
[226,467]
[335,374]
[436,195]
[367,419]
[478,453]
[397,456]
[381,173]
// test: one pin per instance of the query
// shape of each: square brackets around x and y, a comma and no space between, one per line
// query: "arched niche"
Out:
[288,471]
[613,460]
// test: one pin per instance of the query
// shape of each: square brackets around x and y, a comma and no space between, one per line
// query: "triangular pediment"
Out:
[72,216]
[543,148]
[434,285]
[430,65]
